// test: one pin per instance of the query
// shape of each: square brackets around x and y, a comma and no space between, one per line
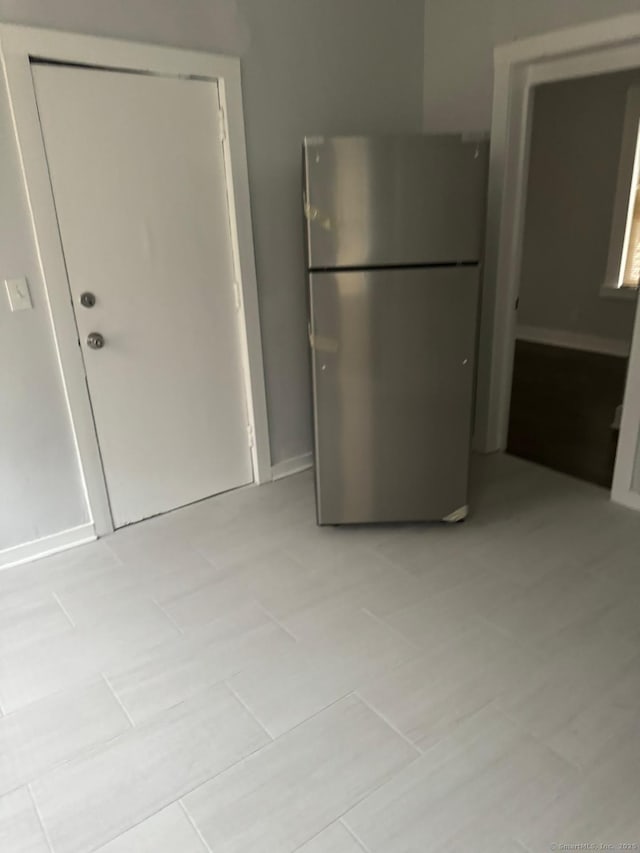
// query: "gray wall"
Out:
[460,36]
[575,147]
[40,485]
[314,67]
[309,66]
[459,39]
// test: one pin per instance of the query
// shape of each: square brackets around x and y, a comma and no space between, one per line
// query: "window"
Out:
[630,266]
[623,269]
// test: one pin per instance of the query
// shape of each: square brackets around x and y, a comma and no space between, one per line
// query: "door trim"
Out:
[18,47]
[611,44]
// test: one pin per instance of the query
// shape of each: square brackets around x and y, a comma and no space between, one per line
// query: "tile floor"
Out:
[231,678]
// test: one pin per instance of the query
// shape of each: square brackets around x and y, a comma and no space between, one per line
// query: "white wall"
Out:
[573,169]
[459,39]
[309,66]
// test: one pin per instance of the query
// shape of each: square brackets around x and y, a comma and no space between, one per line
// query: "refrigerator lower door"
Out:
[393,363]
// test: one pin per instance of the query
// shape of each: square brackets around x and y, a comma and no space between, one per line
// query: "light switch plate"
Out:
[18,293]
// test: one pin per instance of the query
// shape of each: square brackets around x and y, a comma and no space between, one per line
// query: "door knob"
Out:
[87,299]
[95,340]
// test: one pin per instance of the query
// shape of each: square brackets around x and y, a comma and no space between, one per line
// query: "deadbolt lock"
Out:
[88,300]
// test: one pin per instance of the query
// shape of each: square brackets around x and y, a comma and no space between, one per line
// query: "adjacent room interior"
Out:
[270,271]
[574,332]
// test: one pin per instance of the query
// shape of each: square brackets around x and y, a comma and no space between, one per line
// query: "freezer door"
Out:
[393,356]
[392,201]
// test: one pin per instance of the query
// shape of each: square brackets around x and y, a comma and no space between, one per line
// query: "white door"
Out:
[138,177]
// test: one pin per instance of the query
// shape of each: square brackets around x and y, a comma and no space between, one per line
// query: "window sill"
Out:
[625,294]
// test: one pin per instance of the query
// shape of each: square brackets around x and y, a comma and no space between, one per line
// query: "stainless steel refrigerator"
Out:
[394,233]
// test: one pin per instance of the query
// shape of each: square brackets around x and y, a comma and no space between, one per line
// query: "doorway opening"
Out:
[603,47]
[574,317]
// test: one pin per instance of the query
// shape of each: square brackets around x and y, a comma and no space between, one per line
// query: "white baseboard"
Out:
[573,340]
[47,545]
[292,466]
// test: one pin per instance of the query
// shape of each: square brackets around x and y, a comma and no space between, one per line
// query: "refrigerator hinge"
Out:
[237,293]
[222,125]
[250,435]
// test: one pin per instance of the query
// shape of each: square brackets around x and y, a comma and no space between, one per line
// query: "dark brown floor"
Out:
[563,404]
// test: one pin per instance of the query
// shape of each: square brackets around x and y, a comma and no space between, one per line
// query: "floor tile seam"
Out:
[231,689]
[388,778]
[276,620]
[36,808]
[371,790]
[304,642]
[168,616]
[224,567]
[390,725]
[151,599]
[317,835]
[380,620]
[108,544]
[423,652]
[219,567]
[178,799]
[354,835]
[538,739]
[134,730]
[92,678]
[118,700]
[64,610]
[217,774]
[88,750]
[521,843]
[528,646]
[194,826]
[349,692]
[133,826]
[203,554]
[440,560]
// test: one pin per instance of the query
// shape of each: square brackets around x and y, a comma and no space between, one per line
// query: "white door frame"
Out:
[609,45]
[18,46]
